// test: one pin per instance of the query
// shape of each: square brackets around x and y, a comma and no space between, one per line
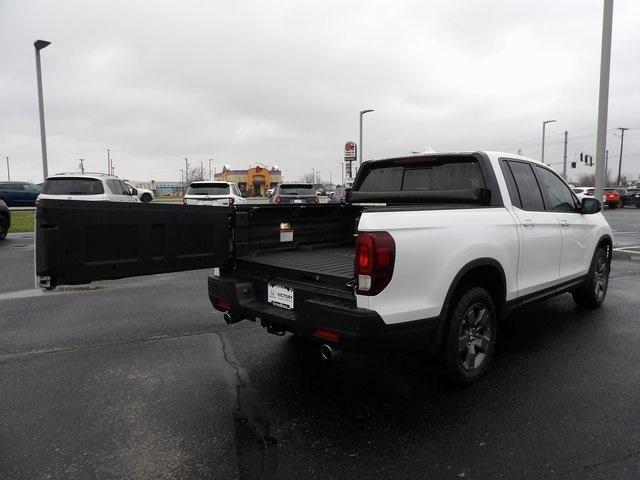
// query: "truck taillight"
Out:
[277,200]
[231,200]
[375,258]
[184,201]
[316,199]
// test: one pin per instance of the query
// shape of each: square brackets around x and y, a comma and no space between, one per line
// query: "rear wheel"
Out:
[470,337]
[612,205]
[592,293]
[145,198]
[620,204]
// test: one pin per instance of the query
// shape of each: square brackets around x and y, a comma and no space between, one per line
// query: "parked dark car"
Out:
[634,196]
[286,193]
[339,195]
[19,194]
[5,220]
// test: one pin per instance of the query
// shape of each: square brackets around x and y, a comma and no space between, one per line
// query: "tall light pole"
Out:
[544,126]
[8,171]
[603,98]
[362,112]
[210,177]
[622,130]
[39,45]
[108,161]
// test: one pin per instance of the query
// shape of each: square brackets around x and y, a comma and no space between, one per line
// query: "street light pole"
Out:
[39,45]
[622,130]
[108,161]
[8,172]
[603,98]
[362,112]
[544,126]
[210,177]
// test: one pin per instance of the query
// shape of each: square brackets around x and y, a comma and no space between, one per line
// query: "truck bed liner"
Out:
[334,262]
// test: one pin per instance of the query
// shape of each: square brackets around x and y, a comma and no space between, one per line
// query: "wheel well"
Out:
[489,276]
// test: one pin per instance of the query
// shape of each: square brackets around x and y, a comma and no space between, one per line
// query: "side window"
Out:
[527,186]
[559,197]
[511,184]
[115,186]
[125,188]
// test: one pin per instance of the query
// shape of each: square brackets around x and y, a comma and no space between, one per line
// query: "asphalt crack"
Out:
[256,448]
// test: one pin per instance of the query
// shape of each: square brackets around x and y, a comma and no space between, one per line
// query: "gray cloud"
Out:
[282,82]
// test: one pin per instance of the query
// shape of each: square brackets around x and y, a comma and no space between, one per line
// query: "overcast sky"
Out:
[281,82]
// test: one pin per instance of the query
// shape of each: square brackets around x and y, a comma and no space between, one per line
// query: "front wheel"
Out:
[145,198]
[591,294]
[470,337]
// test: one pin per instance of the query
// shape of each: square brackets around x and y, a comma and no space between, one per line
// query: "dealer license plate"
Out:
[280,296]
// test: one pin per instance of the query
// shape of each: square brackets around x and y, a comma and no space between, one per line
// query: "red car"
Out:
[612,198]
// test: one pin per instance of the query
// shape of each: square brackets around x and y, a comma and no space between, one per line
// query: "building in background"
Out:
[255,181]
[160,189]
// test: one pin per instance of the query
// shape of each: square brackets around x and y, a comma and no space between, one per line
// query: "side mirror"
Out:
[134,192]
[332,195]
[590,205]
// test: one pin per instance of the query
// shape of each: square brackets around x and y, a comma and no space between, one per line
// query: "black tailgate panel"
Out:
[78,241]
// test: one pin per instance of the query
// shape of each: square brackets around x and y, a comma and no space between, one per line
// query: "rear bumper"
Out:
[357,329]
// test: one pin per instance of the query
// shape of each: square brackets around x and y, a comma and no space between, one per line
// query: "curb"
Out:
[624,255]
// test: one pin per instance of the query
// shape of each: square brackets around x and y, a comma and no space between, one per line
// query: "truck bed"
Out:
[337,261]
[332,266]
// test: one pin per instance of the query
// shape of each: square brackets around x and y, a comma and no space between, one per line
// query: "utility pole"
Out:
[603,97]
[8,171]
[82,165]
[108,160]
[113,170]
[210,177]
[201,170]
[564,156]
[606,167]
[182,181]
[313,175]
[622,130]
[186,170]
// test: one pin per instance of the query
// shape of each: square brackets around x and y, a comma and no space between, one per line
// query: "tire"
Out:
[620,204]
[4,227]
[638,205]
[612,205]
[470,337]
[594,290]
[145,198]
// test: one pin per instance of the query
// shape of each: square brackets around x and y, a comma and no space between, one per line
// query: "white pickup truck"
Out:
[427,255]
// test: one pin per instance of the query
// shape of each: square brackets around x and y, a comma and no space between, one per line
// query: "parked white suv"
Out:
[87,186]
[213,193]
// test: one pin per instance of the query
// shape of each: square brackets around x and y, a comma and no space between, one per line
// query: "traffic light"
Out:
[590,161]
[581,157]
[573,164]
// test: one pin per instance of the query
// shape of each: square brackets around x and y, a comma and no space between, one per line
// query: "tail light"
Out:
[184,201]
[316,199]
[231,200]
[375,258]
[277,200]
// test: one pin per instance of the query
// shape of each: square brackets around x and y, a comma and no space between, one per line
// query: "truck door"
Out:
[80,241]
[539,262]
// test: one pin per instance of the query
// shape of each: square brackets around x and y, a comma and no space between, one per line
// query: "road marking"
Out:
[626,233]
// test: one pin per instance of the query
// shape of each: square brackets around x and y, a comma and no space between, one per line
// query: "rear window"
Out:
[208,189]
[297,189]
[450,175]
[72,186]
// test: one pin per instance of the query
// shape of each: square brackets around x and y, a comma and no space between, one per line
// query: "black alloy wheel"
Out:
[470,337]
[594,290]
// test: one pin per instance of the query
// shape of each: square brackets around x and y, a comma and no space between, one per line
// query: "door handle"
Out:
[564,223]
[528,223]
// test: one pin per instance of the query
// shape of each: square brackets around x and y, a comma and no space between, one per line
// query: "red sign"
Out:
[350,151]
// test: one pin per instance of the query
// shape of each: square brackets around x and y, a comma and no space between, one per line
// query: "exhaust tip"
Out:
[326,352]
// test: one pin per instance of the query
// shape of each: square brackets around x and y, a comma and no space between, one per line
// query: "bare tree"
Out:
[195,174]
[308,178]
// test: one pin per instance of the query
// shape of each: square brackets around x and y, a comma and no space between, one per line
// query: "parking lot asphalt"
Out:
[140,378]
